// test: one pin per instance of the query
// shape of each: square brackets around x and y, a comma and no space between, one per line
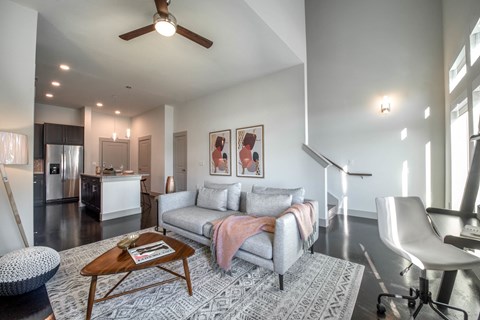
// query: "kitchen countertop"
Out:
[112,177]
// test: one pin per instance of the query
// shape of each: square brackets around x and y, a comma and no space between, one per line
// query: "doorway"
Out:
[180,160]
[145,159]
[115,154]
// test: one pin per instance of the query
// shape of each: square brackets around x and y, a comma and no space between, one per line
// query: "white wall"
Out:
[45,113]
[459,18]
[357,52]
[277,102]
[168,138]
[102,126]
[287,19]
[18,30]
[151,123]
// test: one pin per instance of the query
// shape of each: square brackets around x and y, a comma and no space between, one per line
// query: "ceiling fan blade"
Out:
[194,37]
[162,6]
[137,33]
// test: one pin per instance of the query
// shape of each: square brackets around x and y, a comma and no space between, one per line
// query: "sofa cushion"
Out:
[215,199]
[298,194]
[267,204]
[234,190]
[192,218]
[260,244]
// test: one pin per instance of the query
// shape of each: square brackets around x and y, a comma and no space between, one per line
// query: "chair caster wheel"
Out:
[411,303]
[381,308]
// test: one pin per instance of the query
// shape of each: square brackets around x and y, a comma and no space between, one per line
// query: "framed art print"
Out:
[250,155]
[220,153]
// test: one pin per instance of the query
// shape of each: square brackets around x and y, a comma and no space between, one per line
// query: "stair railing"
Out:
[325,162]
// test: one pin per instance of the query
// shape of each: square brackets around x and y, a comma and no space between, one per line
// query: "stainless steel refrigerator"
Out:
[63,166]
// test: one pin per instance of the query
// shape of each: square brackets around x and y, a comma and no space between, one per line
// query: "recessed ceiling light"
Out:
[48,95]
[64,67]
[99,104]
[117,112]
[55,83]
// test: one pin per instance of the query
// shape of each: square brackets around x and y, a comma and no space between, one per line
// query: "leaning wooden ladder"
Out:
[13,204]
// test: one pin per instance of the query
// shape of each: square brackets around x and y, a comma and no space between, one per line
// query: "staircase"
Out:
[330,204]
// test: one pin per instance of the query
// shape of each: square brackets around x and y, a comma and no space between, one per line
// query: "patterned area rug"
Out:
[316,287]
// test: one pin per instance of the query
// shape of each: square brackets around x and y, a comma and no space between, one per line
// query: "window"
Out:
[459,153]
[458,70]
[475,43]
[476,110]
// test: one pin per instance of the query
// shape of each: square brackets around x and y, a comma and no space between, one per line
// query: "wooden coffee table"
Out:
[116,261]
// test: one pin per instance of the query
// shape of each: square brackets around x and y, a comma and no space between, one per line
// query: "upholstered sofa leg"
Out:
[164,231]
[311,249]
[280,279]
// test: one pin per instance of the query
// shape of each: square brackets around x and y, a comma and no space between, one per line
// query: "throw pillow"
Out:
[212,199]
[298,194]
[234,190]
[267,204]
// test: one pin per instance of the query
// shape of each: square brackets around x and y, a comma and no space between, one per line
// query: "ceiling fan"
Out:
[166,24]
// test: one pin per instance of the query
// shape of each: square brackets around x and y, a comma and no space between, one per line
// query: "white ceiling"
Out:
[84,34]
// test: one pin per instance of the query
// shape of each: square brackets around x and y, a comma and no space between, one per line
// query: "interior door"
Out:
[115,153]
[180,160]
[145,159]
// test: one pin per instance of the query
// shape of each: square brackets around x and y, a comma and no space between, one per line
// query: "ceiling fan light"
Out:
[165,25]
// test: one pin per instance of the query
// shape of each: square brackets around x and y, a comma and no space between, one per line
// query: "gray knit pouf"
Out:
[27,269]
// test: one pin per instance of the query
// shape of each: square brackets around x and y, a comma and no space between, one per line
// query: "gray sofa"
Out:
[179,213]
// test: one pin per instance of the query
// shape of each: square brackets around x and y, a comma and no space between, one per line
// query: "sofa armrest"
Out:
[287,243]
[173,201]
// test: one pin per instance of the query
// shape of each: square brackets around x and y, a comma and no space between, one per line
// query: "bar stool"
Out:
[144,192]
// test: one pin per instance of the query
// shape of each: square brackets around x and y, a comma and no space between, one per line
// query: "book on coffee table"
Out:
[150,251]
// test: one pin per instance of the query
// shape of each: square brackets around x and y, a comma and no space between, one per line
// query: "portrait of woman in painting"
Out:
[220,153]
[250,152]
[219,159]
[248,158]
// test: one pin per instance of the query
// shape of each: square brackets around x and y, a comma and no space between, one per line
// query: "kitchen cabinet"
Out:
[73,135]
[53,133]
[111,196]
[38,189]
[38,145]
[91,193]
[63,134]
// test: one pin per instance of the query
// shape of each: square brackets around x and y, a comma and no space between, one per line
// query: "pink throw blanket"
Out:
[230,233]
[305,215]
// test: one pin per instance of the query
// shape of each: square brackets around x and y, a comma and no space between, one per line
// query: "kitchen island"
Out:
[111,196]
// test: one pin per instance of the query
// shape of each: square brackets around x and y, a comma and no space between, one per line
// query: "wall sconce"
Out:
[385,105]
[127,135]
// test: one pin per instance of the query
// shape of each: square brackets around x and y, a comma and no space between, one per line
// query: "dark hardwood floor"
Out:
[63,226]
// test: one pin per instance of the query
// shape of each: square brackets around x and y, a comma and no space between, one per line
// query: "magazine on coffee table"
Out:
[150,251]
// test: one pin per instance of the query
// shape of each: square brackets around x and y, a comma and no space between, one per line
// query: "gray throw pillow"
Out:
[298,194]
[215,199]
[267,204]
[234,190]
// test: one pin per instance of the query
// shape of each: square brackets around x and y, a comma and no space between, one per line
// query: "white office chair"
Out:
[405,228]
